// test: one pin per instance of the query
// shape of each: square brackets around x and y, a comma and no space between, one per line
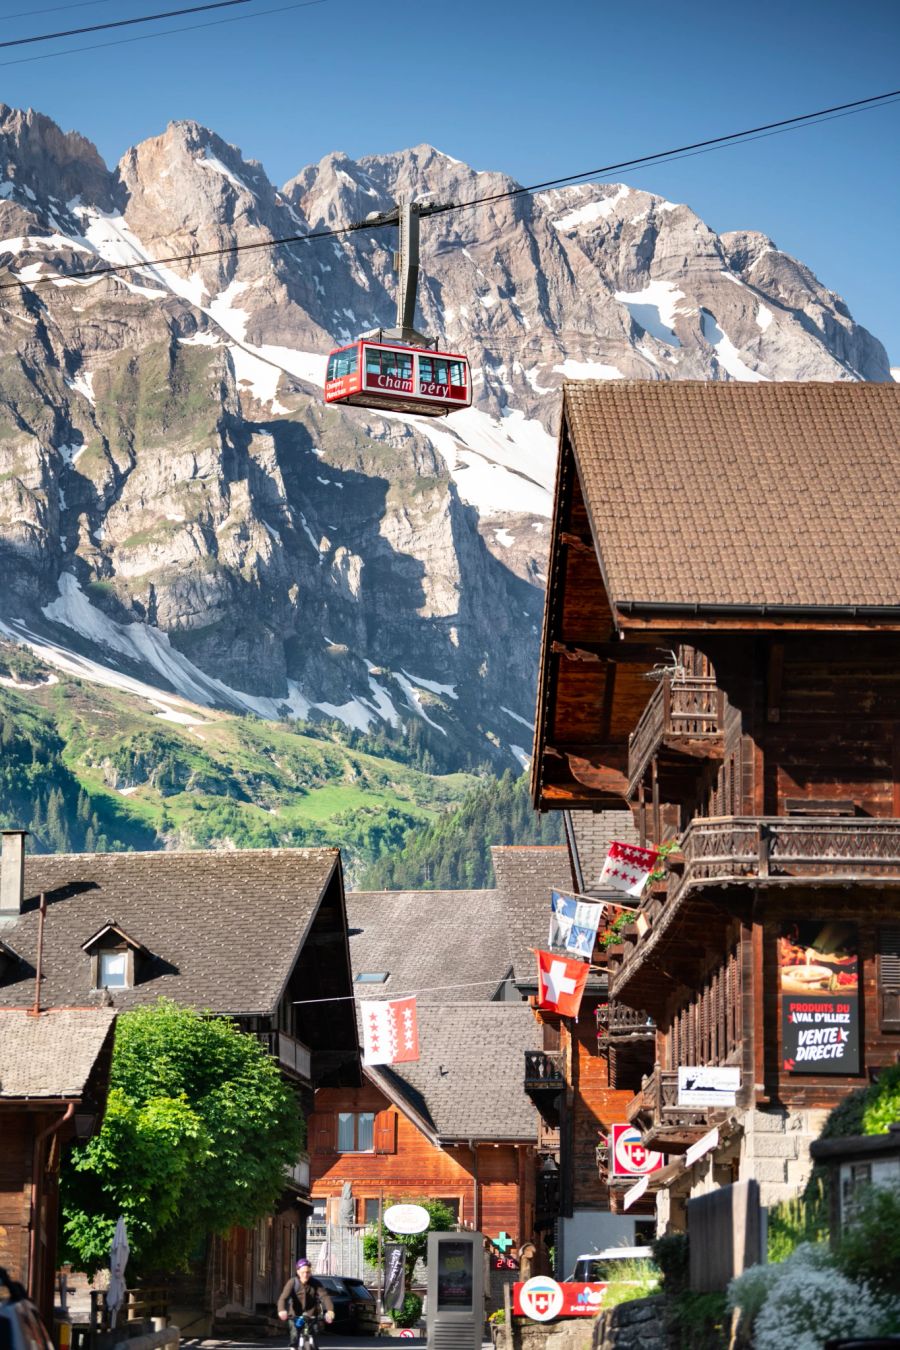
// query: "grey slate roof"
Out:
[223,928]
[468,1082]
[427,940]
[51,1055]
[593,833]
[526,874]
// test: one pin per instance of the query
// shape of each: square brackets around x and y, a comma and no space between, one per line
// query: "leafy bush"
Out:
[805,1300]
[804,1219]
[440,1220]
[632,1280]
[698,1320]
[409,1314]
[672,1254]
[869,1249]
[881,1108]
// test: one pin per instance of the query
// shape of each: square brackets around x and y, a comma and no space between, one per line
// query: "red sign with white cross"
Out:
[627,1155]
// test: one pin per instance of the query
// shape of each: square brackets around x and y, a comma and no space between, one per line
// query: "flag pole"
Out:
[380,1251]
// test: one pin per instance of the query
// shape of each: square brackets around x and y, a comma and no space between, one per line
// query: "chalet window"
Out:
[889,978]
[370,1211]
[356,1131]
[112,970]
[452,1203]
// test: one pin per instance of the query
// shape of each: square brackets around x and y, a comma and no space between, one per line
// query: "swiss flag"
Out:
[390,1031]
[560,983]
[627,868]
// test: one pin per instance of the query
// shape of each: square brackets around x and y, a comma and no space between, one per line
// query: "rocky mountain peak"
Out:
[177,505]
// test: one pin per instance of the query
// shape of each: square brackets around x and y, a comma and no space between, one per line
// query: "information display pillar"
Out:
[455,1315]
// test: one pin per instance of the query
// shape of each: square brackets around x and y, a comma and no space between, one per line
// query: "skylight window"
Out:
[372,976]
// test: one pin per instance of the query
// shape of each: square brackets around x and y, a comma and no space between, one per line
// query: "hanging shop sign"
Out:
[627,1155]
[709,1085]
[406,1218]
[818,972]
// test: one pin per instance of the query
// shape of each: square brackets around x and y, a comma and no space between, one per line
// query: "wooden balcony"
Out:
[771,851]
[298,1175]
[544,1071]
[292,1055]
[681,725]
[616,1024]
[664,1125]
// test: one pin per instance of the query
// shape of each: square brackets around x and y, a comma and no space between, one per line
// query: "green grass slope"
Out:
[89,768]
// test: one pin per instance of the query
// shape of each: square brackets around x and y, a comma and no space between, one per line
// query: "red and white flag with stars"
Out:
[627,868]
[390,1031]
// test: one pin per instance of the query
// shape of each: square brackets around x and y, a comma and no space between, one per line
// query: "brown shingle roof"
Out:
[53,1054]
[720,494]
[427,941]
[526,874]
[468,1082]
[223,929]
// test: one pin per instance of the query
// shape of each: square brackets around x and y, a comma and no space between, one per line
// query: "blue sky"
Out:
[531,89]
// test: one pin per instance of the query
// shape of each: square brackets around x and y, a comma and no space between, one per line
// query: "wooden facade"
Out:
[490,1186]
[762,741]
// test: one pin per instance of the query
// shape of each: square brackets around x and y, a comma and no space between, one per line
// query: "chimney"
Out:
[12,872]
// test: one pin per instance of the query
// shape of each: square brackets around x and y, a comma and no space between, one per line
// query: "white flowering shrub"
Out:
[805,1300]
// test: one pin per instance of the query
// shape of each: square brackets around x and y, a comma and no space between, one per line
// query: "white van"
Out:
[600,1267]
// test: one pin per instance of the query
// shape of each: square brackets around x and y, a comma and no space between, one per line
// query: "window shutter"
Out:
[385,1137]
[321,1129]
[889,978]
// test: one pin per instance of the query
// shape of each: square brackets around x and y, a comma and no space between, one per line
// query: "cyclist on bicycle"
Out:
[304,1296]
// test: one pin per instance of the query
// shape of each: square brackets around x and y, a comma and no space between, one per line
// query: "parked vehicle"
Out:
[21,1327]
[600,1267]
[355,1306]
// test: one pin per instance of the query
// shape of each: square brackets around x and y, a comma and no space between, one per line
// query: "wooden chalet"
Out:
[721,664]
[256,936]
[569,1077]
[54,1074]
[455,1125]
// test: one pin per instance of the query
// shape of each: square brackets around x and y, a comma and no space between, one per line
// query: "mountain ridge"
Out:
[177,506]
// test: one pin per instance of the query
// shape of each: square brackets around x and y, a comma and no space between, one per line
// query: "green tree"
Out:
[198,1132]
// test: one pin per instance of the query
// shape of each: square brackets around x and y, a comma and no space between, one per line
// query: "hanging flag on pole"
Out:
[390,1031]
[560,983]
[627,868]
[573,923]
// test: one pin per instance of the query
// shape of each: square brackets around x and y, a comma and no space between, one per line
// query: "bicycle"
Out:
[307,1329]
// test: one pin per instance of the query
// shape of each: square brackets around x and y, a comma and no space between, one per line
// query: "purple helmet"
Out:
[303,1261]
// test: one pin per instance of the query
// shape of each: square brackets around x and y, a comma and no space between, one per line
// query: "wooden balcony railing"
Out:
[298,1175]
[544,1071]
[663,1123]
[765,849]
[616,1022]
[548,1137]
[682,712]
[292,1055]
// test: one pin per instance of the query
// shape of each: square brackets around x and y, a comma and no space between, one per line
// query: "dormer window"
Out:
[372,977]
[115,957]
[112,970]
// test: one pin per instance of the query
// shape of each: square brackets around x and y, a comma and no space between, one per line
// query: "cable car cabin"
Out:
[400,379]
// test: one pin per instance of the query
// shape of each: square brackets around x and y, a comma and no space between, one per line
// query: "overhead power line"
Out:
[379,222]
[165,32]
[122,23]
[53,9]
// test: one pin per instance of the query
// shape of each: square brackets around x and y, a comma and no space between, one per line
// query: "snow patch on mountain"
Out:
[654,308]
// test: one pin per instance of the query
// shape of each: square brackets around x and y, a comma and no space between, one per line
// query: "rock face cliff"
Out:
[178,506]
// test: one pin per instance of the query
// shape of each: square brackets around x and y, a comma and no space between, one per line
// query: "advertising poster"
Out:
[818,971]
[454,1277]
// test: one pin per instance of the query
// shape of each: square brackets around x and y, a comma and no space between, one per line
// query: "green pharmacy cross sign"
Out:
[503,1241]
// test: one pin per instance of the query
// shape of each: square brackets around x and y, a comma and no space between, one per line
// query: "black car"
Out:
[355,1307]
[21,1327]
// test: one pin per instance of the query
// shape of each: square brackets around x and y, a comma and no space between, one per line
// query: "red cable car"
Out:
[399,369]
[401,379]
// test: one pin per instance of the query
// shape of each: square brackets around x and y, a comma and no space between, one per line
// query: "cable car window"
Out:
[373,361]
[342,363]
[432,370]
[457,373]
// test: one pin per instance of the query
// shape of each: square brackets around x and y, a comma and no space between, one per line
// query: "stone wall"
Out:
[639,1325]
[570,1333]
